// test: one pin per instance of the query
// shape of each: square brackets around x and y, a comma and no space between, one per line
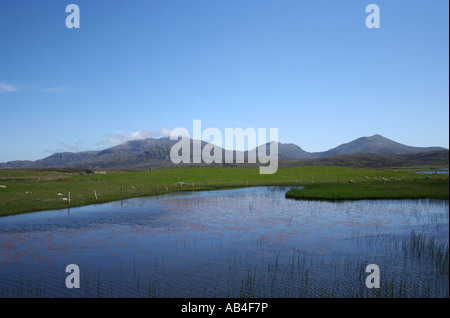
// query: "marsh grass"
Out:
[429,250]
[374,190]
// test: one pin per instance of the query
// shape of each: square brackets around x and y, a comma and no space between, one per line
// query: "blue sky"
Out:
[139,68]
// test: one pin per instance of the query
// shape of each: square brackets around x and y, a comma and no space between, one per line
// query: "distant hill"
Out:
[291,151]
[375,144]
[155,153]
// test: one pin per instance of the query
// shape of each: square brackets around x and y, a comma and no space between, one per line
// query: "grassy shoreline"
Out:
[423,189]
[31,190]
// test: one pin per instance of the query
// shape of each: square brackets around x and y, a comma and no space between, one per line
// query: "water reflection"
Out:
[228,243]
[440,171]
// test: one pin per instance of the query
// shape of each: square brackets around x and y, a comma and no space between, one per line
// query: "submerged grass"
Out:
[28,190]
[298,274]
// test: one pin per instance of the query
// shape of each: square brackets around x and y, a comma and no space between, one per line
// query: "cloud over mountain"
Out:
[115,139]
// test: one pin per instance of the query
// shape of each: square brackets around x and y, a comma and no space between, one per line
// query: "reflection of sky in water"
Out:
[180,235]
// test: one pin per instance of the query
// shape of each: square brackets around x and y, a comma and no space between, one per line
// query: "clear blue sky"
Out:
[137,68]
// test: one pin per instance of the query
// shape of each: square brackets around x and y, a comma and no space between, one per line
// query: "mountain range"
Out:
[155,153]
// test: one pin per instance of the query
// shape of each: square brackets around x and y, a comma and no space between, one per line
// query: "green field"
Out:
[31,190]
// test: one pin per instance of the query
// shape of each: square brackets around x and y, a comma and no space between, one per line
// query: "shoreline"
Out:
[34,191]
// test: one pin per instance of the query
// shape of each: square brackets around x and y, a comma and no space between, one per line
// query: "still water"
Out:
[250,242]
[440,171]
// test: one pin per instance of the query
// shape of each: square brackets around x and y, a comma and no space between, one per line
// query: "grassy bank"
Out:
[28,190]
[404,189]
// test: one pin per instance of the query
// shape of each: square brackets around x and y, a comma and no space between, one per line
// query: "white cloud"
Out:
[4,88]
[114,139]
[165,132]
[75,147]
[66,147]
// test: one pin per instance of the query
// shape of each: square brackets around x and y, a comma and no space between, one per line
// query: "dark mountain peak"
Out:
[375,144]
[379,138]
